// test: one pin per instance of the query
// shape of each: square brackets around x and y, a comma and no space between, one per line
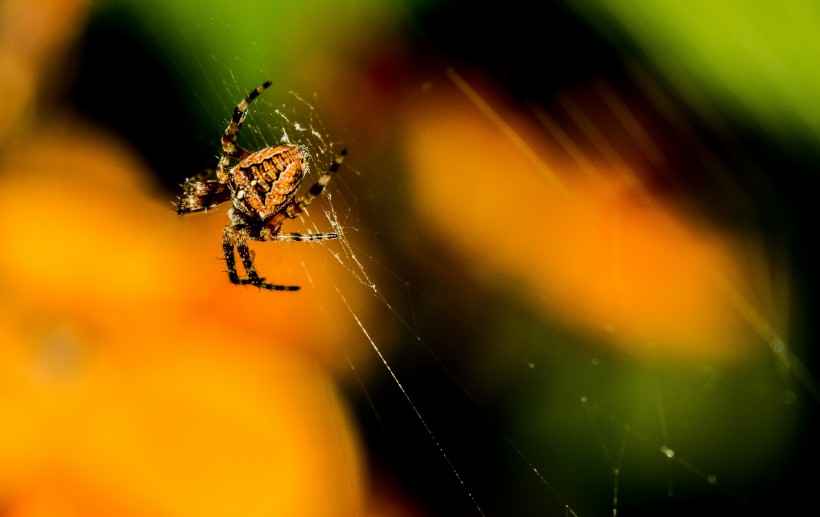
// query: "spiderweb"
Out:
[478,391]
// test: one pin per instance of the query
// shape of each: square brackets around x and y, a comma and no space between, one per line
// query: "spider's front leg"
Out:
[229,136]
[236,237]
[305,237]
[297,207]
[199,194]
[270,232]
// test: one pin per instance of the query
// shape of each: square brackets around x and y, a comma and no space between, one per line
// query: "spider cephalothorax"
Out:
[262,187]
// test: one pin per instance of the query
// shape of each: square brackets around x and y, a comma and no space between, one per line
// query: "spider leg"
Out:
[229,136]
[229,241]
[270,232]
[231,133]
[200,195]
[236,236]
[317,188]
[304,237]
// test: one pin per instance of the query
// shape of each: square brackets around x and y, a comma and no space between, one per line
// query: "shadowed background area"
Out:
[575,277]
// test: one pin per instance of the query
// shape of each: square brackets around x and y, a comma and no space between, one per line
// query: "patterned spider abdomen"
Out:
[265,181]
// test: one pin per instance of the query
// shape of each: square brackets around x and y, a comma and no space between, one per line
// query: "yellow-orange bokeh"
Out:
[589,247]
[136,380]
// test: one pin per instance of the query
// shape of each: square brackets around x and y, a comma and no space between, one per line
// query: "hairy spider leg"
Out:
[236,237]
[200,195]
[317,188]
[304,237]
[231,133]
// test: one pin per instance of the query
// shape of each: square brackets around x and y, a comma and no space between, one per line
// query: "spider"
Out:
[262,187]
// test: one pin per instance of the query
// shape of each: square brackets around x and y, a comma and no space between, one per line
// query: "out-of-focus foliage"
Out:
[757,59]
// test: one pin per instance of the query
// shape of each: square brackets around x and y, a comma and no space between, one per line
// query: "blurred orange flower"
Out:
[135,379]
[584,245]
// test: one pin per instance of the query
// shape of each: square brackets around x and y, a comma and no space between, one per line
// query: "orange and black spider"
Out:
[262,187]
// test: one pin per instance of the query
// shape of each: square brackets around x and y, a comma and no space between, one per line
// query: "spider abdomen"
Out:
[265,181]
